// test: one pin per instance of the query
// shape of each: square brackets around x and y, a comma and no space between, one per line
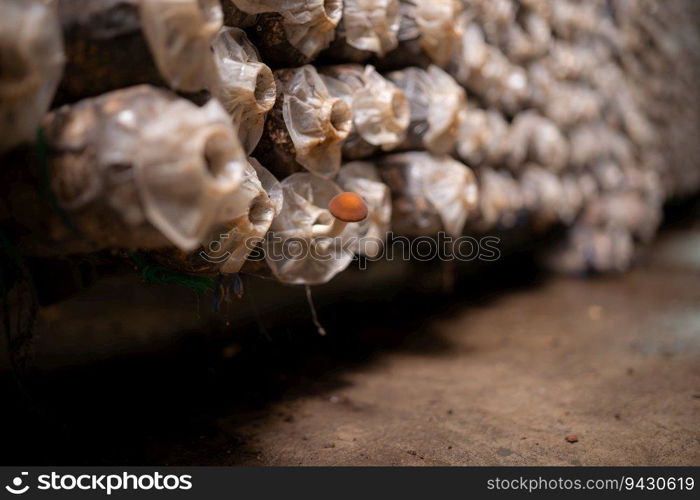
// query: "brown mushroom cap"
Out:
[348,207]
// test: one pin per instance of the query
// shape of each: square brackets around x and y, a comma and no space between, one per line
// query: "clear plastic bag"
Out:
[544,196]
[483,136]
[437,22]
[144,156]
[31,50]
[380,110]
[592,249]
[179,34]
[500,199]
[371,25]
[306,244]
[436,101]
[430,193]
[248,216]
[245,87]
[483,68]
[317,122]
[308,24]
[532,137]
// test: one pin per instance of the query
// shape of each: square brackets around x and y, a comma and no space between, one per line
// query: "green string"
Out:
[156,274]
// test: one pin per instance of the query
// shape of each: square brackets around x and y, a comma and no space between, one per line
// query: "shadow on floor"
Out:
[120,410]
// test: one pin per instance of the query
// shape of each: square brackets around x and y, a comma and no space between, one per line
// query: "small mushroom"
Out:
[345,207]
[348,207]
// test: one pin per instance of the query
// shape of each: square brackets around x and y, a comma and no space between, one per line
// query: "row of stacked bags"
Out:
[201,133]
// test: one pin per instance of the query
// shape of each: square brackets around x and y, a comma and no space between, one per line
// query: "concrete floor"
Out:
[498,374]
[615,362]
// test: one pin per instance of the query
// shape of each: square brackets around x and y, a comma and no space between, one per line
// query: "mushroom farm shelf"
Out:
[208,137]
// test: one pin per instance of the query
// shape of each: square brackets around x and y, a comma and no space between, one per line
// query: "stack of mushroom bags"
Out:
[204,131]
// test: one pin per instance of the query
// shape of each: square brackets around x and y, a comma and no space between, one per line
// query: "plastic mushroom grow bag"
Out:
[439,31]
[500,200]
[436,101]
[31,51]
[587,249]
[306,127]
[566,103]
[628,198]
[430,193]
[292,32]
[245,87]
[246,219]
[528,39]
[363,178]
[482,137]
[483,69]
[380,110]
[428,33]
[367,28]
[306,244]
[544,197]
[141,167]
[535,138]
[180,33]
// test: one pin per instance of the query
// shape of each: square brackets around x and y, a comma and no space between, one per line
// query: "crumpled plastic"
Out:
[317,122]
[530,41]
[363,178]
[440,32]
[179,34]
[544,196]
[593,142]
[431,193]
[247,217]
[380,110]
[536,138]
[628,210]
[434,24]
[308,24]
[592,249]
[483,136]
[436,101]
[500,199]
[150,157]
[371,25]
[565,103]
[31,51]
[294,250]
[485,70]
[486,138]
[245,87]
